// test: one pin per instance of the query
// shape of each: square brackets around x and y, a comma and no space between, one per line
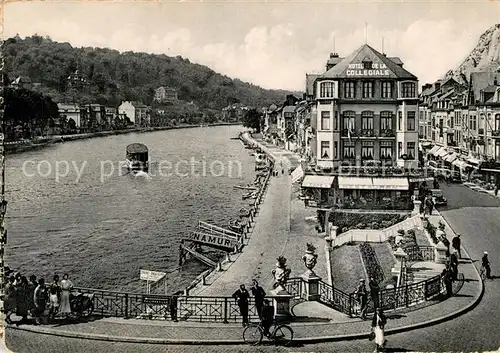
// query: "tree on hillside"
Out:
[252,120]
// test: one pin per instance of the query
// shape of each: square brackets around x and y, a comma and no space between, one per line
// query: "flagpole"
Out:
[366,32]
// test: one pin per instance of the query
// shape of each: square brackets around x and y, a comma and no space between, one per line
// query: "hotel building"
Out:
[366,118]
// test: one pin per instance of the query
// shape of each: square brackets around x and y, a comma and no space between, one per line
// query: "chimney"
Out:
[437,85]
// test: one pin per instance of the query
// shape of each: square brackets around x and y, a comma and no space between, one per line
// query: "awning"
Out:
[434,149]
[441,153]
[318,181]
[355,183]
[473,161]
[390,183]
[420,179]
[297,174]
[451,157]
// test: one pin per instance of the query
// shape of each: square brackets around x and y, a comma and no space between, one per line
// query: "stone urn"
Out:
[281,274]
[310,259]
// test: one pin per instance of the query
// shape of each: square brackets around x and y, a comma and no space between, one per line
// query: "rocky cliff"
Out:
[484,57]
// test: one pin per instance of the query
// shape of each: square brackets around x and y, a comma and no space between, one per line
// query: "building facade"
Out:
[165,95]
[366,106]
[137,113]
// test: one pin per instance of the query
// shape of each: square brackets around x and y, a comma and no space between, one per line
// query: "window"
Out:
[367,65]
[410,150]
[497,150]
[400,119]
[348,122]
[386,89]
[368,89]
[367,150]
[385,120]
[367,120]
[325,120]
[410,121]
[400,149]
[325,149]
[497,122]
[385,149]
[326,89]
[408,90]
[473,123]
[335,149]
[350,91]
[349,150]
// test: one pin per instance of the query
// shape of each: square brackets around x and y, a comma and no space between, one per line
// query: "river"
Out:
[102,226]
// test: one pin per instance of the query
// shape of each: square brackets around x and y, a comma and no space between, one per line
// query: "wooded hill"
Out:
[114,77]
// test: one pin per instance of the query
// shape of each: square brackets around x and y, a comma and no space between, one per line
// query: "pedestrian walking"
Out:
[362,298]
[22,300]
[40,298]
[173,305]
[31,292]
[455,243]
[66,287]
[9,304]
[429,205]
[378,323]
[485,262]
[454,265]
[448,281]
[242,296]
[267,318]
[259,294]
[374,292]
[54,297]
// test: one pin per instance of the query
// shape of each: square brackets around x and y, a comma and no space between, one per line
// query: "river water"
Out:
[102,226]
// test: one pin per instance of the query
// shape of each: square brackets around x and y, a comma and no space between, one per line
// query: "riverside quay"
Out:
[346,228]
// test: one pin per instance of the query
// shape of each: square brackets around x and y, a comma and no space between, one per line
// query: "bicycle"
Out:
[280,334]
[482,273]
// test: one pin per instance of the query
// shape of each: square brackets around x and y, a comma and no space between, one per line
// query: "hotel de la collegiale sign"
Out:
[359,70]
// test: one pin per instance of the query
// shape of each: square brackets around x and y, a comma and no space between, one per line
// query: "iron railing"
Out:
[335,298]
[420,253]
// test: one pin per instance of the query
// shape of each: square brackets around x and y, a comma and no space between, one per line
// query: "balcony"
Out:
[345,133]
[387,133]
[367,133]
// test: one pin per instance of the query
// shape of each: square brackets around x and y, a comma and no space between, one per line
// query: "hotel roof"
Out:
[362,54]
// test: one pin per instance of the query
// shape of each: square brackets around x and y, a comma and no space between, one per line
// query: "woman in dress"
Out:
[54,294]
[66,286]
[378,323]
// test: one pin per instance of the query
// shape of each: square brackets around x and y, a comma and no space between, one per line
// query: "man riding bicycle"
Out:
[267,317]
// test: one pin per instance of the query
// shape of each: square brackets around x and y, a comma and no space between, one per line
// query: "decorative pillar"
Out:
[281,297]
[440,251]
[311,280]
[401,256]
[416,207]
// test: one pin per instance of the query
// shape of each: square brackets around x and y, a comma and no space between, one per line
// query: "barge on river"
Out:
[137,157]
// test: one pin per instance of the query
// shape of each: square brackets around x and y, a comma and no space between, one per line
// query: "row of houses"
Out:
[357,126]
[86,117]
[460,123]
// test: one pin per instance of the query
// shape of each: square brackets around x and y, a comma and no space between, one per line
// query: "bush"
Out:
[401,232]
[370,260]
[441,225]
[347,220]
[431,229]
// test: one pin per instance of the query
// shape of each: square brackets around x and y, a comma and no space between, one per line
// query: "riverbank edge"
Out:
[22,146]
[246,139]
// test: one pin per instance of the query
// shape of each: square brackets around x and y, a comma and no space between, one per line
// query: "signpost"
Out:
[213,240]
[154,277]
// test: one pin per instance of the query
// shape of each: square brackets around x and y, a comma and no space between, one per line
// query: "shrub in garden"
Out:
[441,225]
[371,262]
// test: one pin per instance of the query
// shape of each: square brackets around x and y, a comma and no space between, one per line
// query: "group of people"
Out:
[263,306]
[33,297]
[379,320]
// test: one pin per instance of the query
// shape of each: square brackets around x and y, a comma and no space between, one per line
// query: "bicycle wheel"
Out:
[482,273]
[252,335]
[283,335]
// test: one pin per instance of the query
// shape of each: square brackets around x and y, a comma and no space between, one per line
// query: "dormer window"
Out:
[367,64]
[408,90]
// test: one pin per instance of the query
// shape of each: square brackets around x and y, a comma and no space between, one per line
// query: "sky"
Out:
[270,43]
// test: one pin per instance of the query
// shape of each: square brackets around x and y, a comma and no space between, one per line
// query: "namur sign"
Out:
[359,70]
[213,240]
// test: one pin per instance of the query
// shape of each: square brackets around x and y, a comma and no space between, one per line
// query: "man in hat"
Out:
[455,243]
[486,264]
[362,297]
[267,316]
